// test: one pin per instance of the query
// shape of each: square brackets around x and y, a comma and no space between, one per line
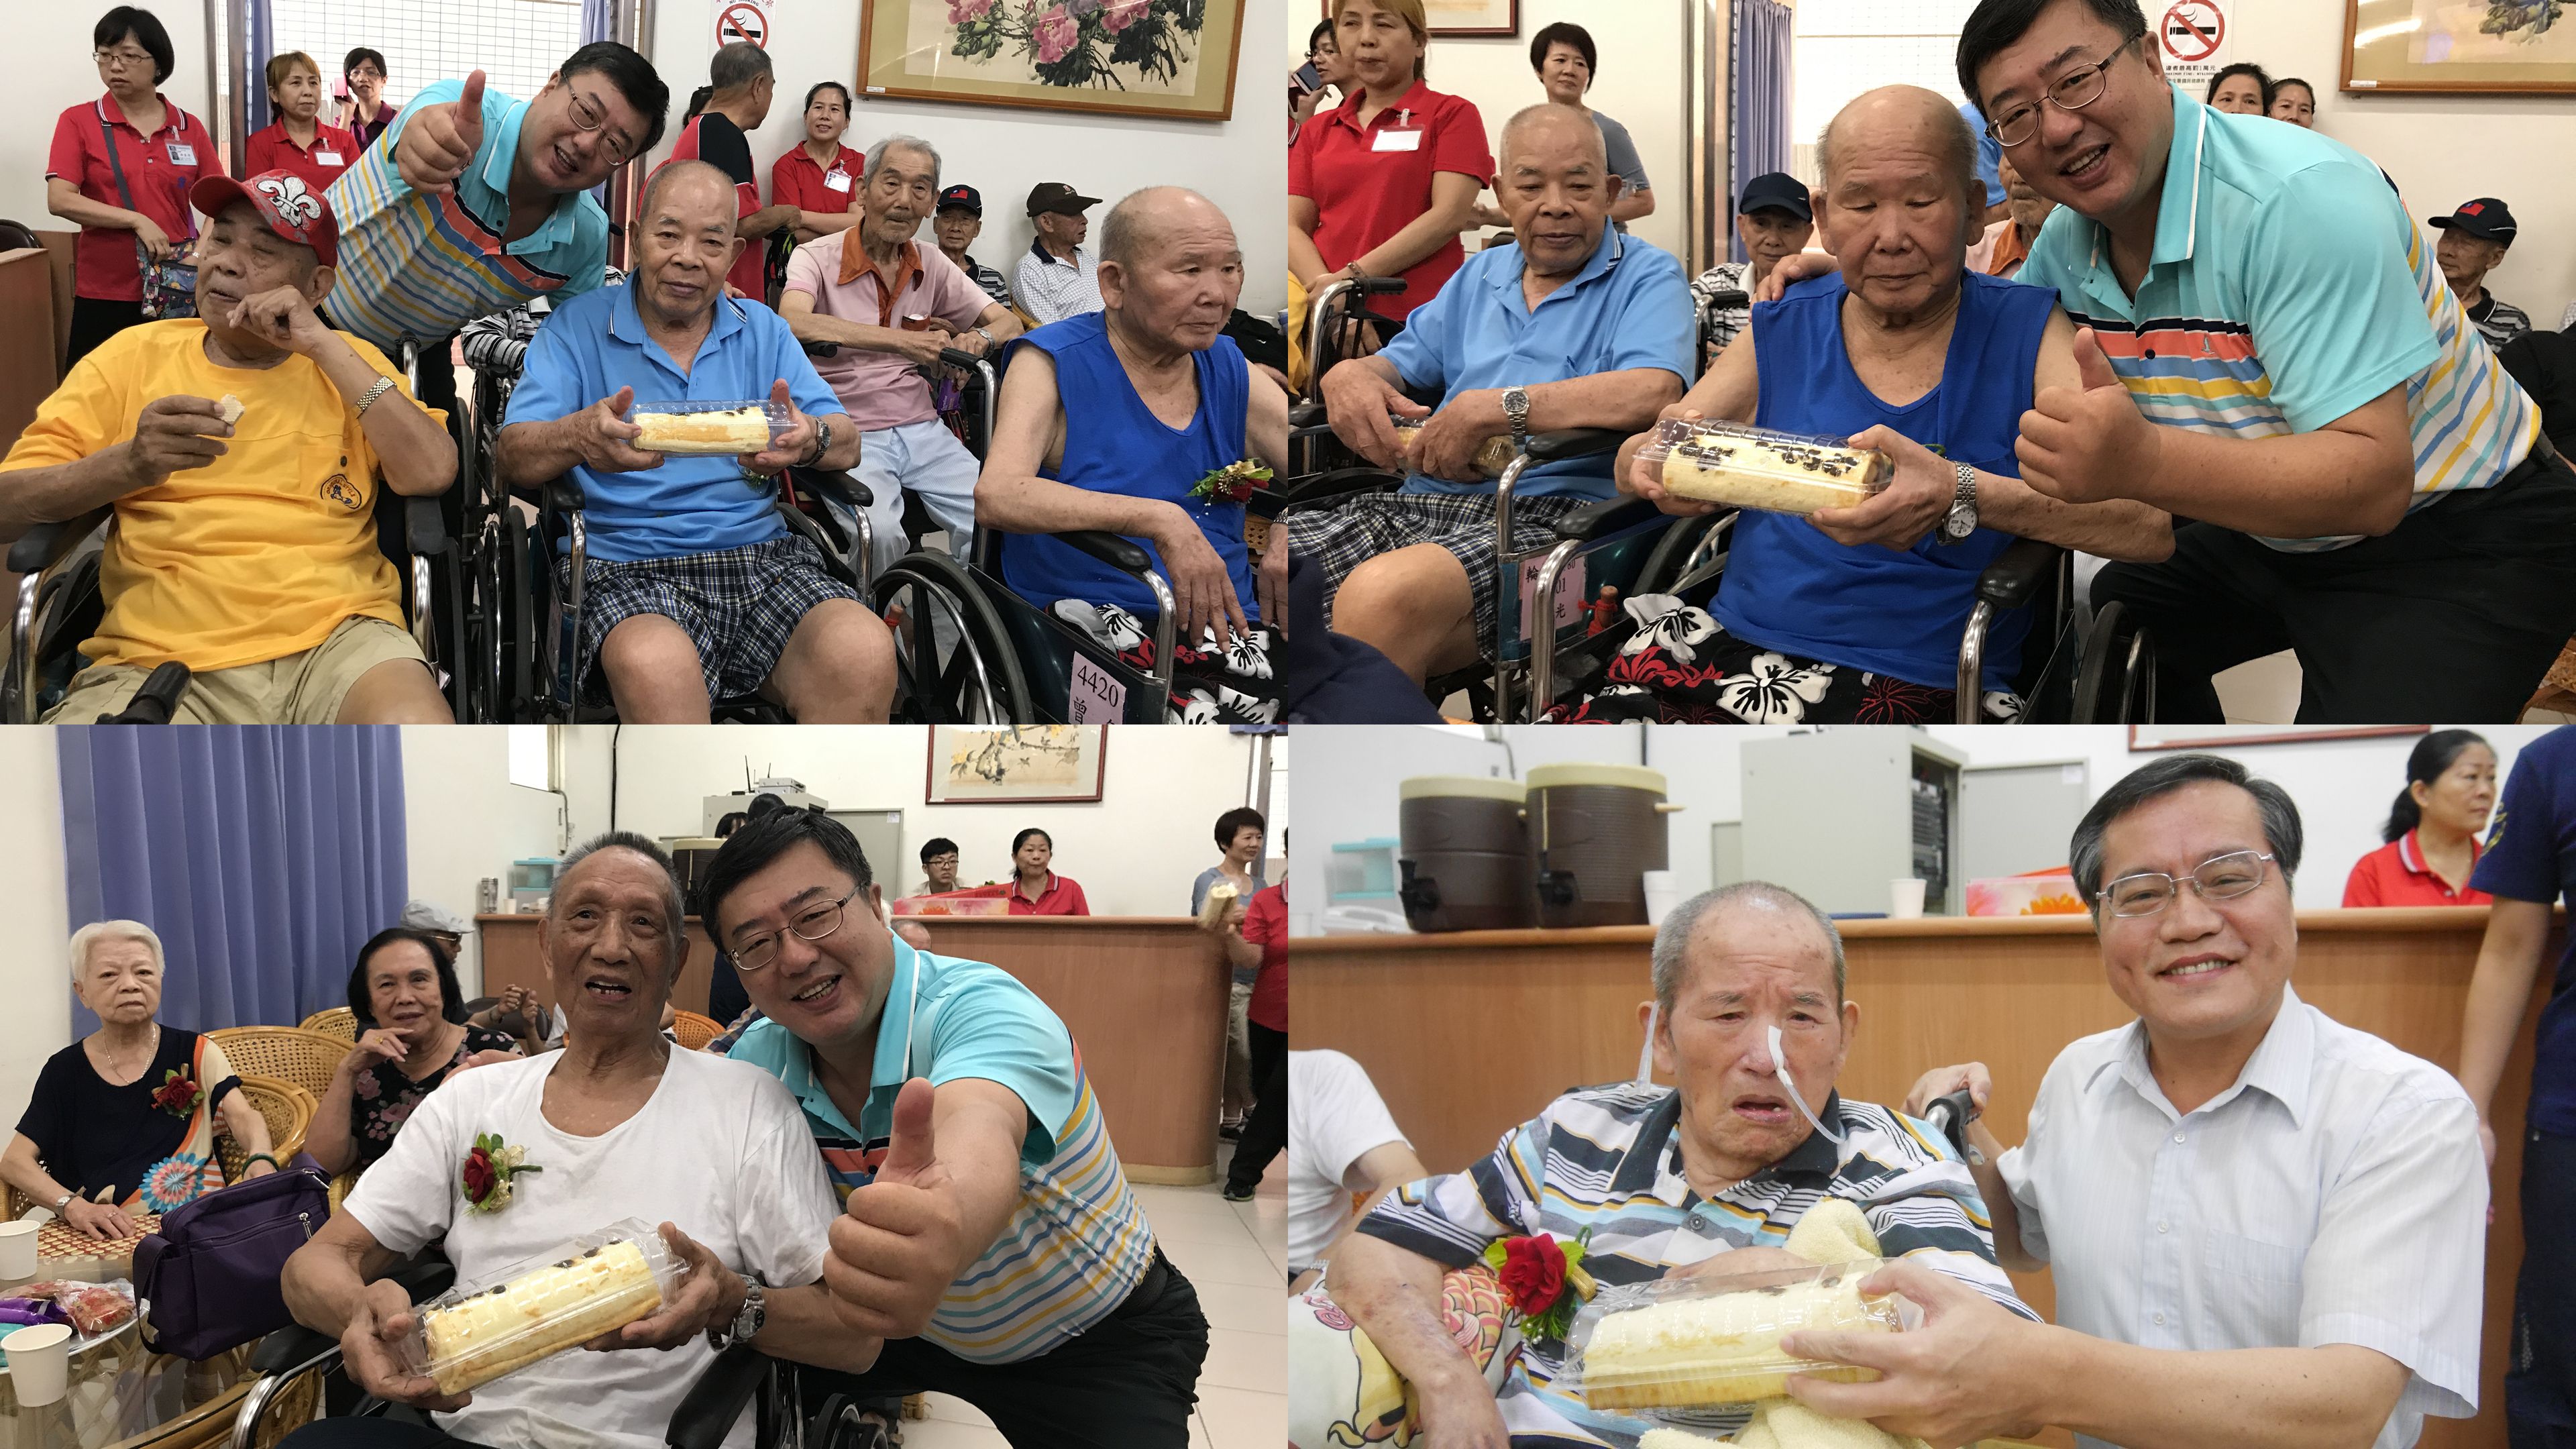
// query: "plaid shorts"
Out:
[1347,536]
[738,605]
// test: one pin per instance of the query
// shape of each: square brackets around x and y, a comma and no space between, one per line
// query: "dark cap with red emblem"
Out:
[2486,217]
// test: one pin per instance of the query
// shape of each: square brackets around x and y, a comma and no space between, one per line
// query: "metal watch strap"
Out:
[1963,506]
[368,398]
[746,1320]
[1519,418]
[63,1202]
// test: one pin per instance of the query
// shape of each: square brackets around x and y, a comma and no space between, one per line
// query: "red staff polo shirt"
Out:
[1265,924]
[2395,875]
[159,169]
[333,151]
[794,180]
[1060,898]
[1368,183]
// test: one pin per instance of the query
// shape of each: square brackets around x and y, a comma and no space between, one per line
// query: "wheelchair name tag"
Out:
[1569,591]
[1092,695]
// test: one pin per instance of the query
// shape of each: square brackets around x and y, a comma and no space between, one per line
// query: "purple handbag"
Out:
[211,1273]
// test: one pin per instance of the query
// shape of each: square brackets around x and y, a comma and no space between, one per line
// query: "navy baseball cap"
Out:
[964,198]
[2486,217]
[1776,191]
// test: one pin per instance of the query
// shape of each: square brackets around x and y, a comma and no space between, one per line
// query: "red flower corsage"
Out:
[177,1094]
[1543,1279]
[1233,483]
[488,1170]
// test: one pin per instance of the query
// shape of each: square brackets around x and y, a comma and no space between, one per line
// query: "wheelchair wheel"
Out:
[840,1425]
[953,658]
[2117,682]
[1677,554]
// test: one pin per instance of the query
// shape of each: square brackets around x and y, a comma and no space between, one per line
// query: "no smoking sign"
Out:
[2193,31]
[742,20]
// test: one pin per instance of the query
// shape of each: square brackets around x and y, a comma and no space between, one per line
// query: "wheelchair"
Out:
[59,602]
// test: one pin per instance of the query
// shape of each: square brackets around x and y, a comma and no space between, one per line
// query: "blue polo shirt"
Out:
[423,266]
[594,345]
[2288,287]
[1078,1243]
[1629,307]
[2531,856]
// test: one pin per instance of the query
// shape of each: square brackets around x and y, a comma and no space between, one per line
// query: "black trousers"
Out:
[2454,615]
[94,321]
[2540,1377]
[1265,1131]
[1127,1384]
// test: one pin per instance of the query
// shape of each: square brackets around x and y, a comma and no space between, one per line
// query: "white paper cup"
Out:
[1905,898]
[18,1249]
[40,1359]
[1662,894]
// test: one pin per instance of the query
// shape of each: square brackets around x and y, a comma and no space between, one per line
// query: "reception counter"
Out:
[1468,1035]
[1145,998]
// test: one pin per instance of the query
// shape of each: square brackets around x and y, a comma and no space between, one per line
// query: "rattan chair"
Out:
[289,1111]
[288,1053]
[695,1031]
[336,1022]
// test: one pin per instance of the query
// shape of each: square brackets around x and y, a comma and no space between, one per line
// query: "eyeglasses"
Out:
[2219,878]
[114,58]
[945,862]
[2072,91]
[810,925]
[590,115]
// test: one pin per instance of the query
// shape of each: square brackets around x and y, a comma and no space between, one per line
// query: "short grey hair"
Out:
[1123,232]
[1673,937]
[2280,814]
[877,153]
[87,939]
[676,171]
[675,910]
[737,65]
[1954,139]
[1547,110]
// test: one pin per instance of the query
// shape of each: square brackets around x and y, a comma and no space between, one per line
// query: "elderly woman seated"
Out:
[1709,1177]
[1143,419]
[618,1125]
[412,1035]
[123,1121]
[1856,613]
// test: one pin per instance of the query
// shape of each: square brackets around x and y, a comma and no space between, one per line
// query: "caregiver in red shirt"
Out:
[161,150]
[298,142]
[2433,830]
[1036,890]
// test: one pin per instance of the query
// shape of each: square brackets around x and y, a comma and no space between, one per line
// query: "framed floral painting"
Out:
[2505,47]
[1170,58]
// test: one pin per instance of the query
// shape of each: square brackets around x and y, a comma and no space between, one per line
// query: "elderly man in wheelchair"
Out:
[1574,325]
[693,590]
[237,454]
[1143,419]
[1858,613]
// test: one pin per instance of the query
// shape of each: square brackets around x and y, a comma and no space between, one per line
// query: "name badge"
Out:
[182,154]
[326,158]
[1397,141]
[837,180]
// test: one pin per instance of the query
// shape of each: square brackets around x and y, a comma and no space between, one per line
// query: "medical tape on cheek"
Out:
[1780,1068]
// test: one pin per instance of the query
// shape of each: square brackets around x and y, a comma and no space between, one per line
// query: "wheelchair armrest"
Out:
[835,485]
[288,1347]
[1609,516]
[1340,483]
[1308,415]
[46,544]
[2018,573]
[1119,552]
[821,349]
[424,527]
[718,1398]
[157,700]
[1568,443]
[560,494]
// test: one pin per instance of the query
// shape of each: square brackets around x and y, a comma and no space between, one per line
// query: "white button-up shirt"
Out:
[2335,1194]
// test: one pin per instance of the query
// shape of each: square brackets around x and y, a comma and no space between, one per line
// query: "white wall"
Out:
[35,973]
[463,820]
[1241,164]
[2343,787]
[1135,852]
[45,67]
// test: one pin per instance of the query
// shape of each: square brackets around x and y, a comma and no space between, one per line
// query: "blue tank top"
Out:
[1789,587]
[1113,443]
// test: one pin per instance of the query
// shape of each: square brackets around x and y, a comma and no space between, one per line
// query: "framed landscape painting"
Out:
[1015,764]
[1171,58]
[2506,47]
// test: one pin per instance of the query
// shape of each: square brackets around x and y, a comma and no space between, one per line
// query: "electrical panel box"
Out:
[1838,814]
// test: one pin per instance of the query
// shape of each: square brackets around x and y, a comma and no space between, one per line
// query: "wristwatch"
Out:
[1516,408]
[63,1202]
[1962,519]
[746,1322]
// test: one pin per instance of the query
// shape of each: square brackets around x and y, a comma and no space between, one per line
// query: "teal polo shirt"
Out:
[2288,287]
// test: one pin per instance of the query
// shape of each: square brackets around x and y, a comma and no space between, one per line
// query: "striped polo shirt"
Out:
[420,266]
[1078,1243]
[1610,1159]
[2288,287]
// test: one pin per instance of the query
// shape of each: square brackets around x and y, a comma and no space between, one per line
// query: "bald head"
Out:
[1147,218]
[1894,118]
[1705,926]
[1548,127]
[694,182]
[1170,269]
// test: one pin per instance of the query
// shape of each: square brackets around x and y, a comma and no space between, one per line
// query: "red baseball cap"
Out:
[289,207]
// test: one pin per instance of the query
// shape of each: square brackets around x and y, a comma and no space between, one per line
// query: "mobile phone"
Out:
[1308,78]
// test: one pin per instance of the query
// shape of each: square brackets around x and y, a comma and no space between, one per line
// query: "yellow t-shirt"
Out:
[257,556]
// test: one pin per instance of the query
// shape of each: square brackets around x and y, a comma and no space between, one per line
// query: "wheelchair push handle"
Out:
[1952,1114]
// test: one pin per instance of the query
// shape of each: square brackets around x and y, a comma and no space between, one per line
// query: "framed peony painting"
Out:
[1171,58]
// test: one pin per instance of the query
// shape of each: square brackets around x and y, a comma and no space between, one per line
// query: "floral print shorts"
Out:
[1212,684]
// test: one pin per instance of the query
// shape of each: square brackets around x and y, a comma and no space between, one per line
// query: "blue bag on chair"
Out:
[211,1273]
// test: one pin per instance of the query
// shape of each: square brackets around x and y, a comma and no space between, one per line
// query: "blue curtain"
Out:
[261,33]
[263,857]
[1758,70]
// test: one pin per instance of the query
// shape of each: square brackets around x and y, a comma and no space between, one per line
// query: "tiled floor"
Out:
[1236,1255]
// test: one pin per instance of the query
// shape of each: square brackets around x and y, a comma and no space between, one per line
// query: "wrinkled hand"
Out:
[99,1219]
[439,142]
[2082,445]
[607,440]
[173,434]
[897,1245]
[922,349]
[709,1296]
[515,999]
[1940,1082]
[1446,447]
[1742,1260]
[1960,1377]
[1357,401]
[156,242]
[1461,1414]
[1202,589]
[281,317]
[1646,480]
[790,447]
[1792,269]
[1911,505]
[377,1044]
[1270,577]
[488,1057]
[370,1351]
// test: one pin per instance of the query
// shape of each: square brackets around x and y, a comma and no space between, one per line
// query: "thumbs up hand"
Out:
[439,142]
[899,1243]
[2089,443]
